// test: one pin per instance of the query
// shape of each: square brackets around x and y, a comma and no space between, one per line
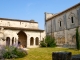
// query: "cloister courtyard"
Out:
[45,53]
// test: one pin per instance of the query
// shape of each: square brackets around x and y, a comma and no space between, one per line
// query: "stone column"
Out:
[15,42]
[28,42]
[34,41]
[10,41]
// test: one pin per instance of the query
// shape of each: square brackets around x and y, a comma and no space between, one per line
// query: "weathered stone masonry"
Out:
[63,25]
[27,33]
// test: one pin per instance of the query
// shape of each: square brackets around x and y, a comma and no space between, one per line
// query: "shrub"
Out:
[13,52]
[42,44]
[19,52]
[49,42]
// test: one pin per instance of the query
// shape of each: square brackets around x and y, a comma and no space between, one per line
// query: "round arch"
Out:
[22,38]
[13,41]
[37,41]
[31,41]
[7,41]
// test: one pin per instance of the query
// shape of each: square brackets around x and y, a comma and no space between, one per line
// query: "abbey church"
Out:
[63,25]
[26,32]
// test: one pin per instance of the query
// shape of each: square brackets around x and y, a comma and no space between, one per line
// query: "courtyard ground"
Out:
[45,53]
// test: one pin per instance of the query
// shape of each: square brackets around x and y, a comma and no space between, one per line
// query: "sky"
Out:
[33,9]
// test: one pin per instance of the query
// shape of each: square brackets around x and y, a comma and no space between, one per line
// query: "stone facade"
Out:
[13,31]
[63,25]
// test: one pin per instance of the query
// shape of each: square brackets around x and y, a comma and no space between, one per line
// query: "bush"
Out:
[42,44]
[13,52]
[49,42]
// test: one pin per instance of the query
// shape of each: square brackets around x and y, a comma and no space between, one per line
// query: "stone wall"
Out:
[64,25]
[21,24]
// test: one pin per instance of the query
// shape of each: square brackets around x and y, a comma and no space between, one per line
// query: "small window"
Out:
[60,23]
[72,20]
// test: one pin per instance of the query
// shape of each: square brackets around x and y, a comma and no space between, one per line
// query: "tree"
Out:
[77,39]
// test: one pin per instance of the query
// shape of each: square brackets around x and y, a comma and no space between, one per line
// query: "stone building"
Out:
[25,32]
[63,25]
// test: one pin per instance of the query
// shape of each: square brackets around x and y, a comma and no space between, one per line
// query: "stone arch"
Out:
[60,22]
[13,41]
[37,41]
[72,17]
[7,41]
[31,41]
[22,38]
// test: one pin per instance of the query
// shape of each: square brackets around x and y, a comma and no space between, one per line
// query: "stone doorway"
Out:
[22,38]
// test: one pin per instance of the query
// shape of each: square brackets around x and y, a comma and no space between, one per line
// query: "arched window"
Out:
[72,19]
[60,23]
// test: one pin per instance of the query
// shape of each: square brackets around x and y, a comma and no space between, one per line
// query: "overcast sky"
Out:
[33,9]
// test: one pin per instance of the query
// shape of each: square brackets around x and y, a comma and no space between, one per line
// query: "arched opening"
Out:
[7,41]
[37,41]
[13,41]
[31,41]
[22,38]
[72,19]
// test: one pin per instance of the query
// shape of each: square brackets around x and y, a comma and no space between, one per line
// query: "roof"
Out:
[63,11]
[18,28]
[17,20]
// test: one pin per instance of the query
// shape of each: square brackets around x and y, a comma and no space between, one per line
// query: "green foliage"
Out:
[49,42]
[13,52]
[42,44]
[19,52]
[77,39]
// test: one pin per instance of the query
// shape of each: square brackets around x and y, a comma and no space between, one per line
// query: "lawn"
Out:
[45,53]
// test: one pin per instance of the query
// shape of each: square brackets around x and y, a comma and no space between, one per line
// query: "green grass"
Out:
[45,53]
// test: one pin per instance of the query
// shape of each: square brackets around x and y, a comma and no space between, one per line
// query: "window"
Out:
[72,20]
[60,23]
